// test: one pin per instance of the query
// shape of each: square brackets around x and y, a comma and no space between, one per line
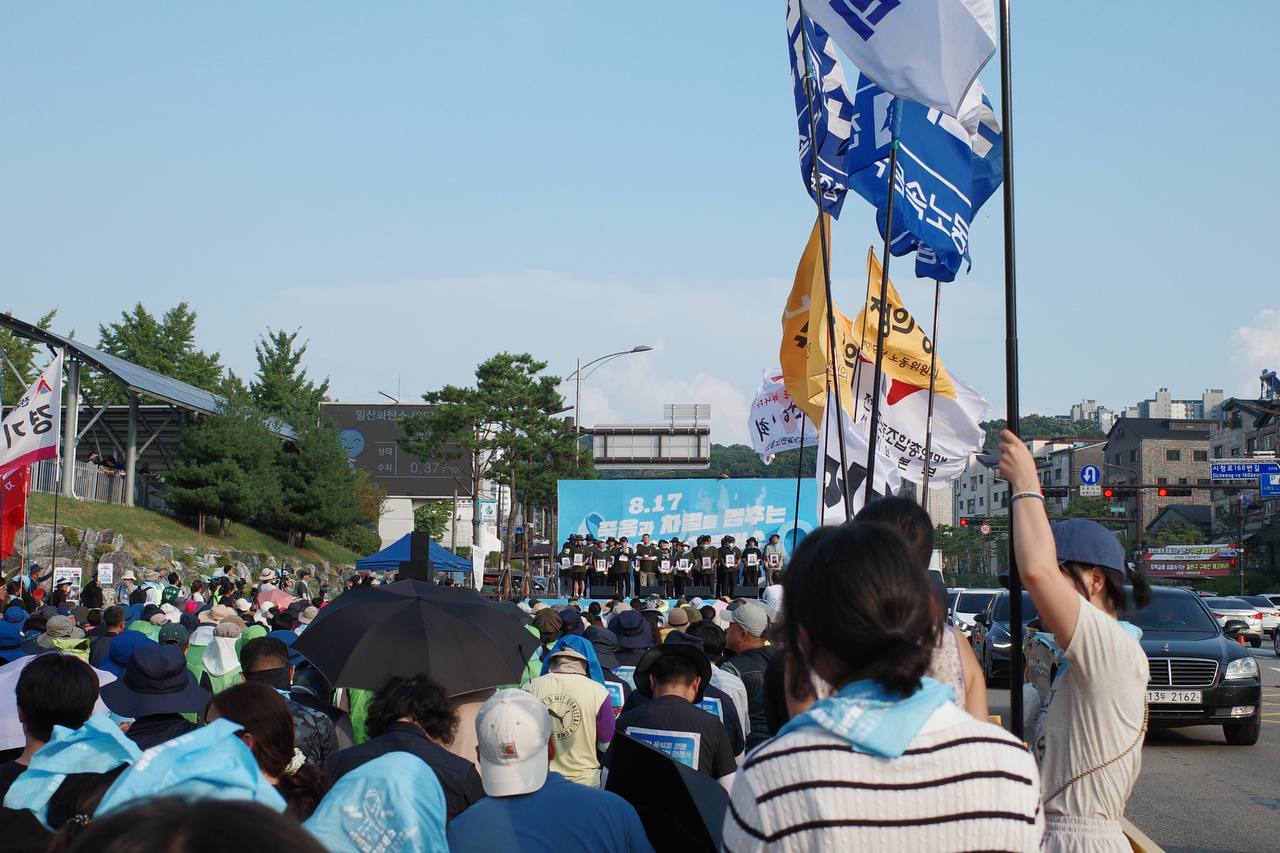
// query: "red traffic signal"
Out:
[964,522]
[1108,493]
[1162,492]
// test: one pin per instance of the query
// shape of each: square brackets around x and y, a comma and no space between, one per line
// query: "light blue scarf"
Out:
[95,747]
[873,719]
[210,763]
[581,645]
[393,804]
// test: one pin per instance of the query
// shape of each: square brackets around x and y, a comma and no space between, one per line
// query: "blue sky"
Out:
[419,185]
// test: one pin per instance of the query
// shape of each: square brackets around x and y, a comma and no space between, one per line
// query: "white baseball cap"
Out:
[512,730]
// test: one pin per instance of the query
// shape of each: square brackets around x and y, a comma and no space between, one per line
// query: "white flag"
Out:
[30,428]
[832,475]
[904,419]
[776,422]
[928,51]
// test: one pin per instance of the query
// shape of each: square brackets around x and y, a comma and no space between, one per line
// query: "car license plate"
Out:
[1174,697]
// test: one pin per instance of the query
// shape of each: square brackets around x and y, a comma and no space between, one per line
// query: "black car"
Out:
[1200,675]
[990,638]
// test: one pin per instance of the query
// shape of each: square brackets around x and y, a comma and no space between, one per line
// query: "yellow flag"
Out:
[805,334]
[907,348]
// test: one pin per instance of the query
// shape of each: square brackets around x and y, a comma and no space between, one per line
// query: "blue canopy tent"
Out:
[390,558]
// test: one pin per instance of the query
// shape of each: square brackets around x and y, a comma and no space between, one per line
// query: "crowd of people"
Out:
[835,711]
[667,566]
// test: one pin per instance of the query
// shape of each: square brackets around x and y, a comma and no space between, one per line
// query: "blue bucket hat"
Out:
[1079,540]
[121,651]
[288,638]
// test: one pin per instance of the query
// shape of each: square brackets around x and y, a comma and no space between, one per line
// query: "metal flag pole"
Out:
[873,436]
[1011,363]
[795,522]
[826,271]
[933,379]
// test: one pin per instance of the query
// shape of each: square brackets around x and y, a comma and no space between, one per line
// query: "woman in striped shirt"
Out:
[884,759]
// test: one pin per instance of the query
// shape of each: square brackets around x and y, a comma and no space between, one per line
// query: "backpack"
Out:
[169,595]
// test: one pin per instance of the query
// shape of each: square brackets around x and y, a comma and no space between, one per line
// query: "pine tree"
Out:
[225,468]
[281,386]
[166,345]
[318,488]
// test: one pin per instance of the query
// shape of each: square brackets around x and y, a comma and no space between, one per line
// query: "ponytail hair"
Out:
[864,606]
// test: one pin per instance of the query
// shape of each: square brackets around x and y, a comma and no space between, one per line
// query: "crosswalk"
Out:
[1271,705]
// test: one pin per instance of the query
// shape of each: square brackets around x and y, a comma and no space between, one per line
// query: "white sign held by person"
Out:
[776,422]
[29,432]
[106,574]
[70,574]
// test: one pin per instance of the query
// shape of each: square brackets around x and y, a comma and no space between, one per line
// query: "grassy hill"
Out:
[144,530]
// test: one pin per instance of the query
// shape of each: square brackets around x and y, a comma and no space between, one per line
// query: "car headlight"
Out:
[1000,638]
[1242,668]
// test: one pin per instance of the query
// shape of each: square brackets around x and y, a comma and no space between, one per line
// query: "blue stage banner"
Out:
[687,509]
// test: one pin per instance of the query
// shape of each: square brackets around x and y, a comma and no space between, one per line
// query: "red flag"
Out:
[13,506]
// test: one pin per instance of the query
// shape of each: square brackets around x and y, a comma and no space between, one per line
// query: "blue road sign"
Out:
[1269,485]
[1090,475]
[1242,470]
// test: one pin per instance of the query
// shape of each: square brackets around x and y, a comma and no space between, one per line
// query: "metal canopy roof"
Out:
[132,376]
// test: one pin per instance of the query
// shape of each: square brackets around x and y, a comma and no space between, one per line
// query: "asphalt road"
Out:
[1196,793]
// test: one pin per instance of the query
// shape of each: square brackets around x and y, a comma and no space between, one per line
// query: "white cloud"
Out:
[1254,348]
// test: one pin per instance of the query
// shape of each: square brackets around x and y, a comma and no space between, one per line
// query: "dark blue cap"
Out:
[1079,540]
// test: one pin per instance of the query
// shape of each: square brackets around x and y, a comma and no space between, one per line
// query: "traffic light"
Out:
[1108,493]
[1174,492]
[1119,492]
[964,522]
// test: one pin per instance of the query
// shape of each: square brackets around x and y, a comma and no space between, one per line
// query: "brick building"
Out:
[1158,452]
[1249,429]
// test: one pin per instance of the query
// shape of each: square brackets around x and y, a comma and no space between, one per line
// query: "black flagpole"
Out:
[826,271]
[933,379]
[882,320]
[795,524]
[1011,362]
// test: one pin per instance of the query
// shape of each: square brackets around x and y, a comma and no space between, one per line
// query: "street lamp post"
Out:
[577,390]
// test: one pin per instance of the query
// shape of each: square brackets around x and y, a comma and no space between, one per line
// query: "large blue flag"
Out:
[947,168]
[844,129]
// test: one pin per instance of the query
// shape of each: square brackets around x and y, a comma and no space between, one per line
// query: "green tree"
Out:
[499,423]
[1041,426]
[1176,535]
[281,386]
[225,468]
[963,548]
[432,517]
[166,345]
[318,488]
[22,353]
[1087,508]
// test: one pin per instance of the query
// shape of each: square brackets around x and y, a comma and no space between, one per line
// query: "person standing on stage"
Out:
[752,557]
[728,558]
[666,567]
[620,559]
[647,554]
[681,563]
[774,554]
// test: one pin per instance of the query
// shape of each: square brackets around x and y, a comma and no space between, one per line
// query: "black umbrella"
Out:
[452,635]
[680,808]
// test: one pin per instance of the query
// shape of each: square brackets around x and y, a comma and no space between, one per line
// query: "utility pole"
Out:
[1240,539]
